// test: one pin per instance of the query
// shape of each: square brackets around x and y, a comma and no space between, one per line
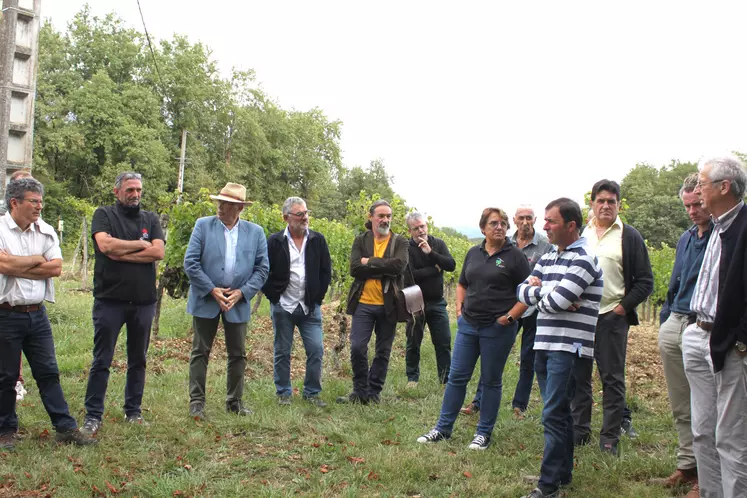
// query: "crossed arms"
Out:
[131,251]
[31,267]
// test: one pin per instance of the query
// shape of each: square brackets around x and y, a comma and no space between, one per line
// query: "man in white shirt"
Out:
[300,272]
[30,257]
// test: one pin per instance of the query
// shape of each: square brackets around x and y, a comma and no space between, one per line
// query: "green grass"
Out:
[302,450]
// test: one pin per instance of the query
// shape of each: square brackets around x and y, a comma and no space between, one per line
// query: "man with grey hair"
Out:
[378,260]
[714,345]
[30,257]
[300,273]
[128,242]
[675,317]
[429,259]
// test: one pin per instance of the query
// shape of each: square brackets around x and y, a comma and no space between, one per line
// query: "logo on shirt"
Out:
[498,262]
[145,235]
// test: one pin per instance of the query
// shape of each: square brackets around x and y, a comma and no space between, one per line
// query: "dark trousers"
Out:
[32,334]
[202,342]
[610,347]
[437,319]
[555,378]
[108,319]
[523,390]
[368,319]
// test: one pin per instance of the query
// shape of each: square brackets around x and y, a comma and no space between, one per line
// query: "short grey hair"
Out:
[414,216]
[691,181]
[127,175]
[290,202]
[526,206]
[18,188]
[728,168]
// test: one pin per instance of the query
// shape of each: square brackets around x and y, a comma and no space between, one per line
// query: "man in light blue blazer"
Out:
[227,264]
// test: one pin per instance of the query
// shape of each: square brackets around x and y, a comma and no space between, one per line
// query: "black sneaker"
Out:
[581,439]
[315,400]
[627,428]
[608,448]
[433,436]
[238,408]
[90,426]
[537,493]
[479,442]
[352,398]
[284,400]
[74,436]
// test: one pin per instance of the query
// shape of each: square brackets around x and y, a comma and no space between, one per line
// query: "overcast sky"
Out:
[475,104]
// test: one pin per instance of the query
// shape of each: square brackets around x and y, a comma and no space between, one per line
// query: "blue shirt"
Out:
[692,260]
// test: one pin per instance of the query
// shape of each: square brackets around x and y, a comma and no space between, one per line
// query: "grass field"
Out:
[302,450]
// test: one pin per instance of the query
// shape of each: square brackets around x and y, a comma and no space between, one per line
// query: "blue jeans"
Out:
[32,334]
[555,378]
[108,318]
[494,344]
[310,329]
[528,328]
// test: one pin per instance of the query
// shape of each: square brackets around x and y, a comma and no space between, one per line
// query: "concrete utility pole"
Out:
[182,158]
[19,50]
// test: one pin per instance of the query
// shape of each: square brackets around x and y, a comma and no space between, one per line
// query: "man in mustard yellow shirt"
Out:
[377,262]
[628,281]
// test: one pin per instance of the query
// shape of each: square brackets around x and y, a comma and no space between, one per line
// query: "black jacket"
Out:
[424,271]
[637,273]
[389,269]
[730,324]
[318,268]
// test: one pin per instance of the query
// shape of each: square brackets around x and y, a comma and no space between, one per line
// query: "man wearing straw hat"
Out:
[226,262]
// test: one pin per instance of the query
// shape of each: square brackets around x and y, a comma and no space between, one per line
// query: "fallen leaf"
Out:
[315,445]
[44,434]
[451,453]
[324,469]
[434,477]
[97,490]
[522,447]
[372,476]
[467,474]
[111,488]
[188,467]
[389,419]
[357,460]
[389,442]
[28,476]
[178,492]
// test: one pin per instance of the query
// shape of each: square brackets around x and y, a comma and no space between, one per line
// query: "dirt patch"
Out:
[645,374]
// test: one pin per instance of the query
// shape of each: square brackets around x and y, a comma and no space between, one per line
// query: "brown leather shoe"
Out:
[694,492]
[470,409]
[680,476]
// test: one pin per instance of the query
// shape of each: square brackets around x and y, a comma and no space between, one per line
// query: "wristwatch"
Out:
[741,348]
[510,319]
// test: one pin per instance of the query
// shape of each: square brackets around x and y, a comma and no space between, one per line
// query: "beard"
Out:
[383,229]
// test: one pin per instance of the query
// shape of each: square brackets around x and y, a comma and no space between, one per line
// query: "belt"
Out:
[23,308]
[707,326]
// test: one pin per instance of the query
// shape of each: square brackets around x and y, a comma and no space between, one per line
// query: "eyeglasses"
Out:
[699,184]
[495,223]
[34,202]
[302,214]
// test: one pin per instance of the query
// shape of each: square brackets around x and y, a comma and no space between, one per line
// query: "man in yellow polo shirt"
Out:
[628,281]
[377,262]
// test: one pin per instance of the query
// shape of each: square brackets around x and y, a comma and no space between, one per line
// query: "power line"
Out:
[152,53]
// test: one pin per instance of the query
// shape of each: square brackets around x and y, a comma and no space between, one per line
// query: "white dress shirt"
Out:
[232,241]
[296,290]
[38,239]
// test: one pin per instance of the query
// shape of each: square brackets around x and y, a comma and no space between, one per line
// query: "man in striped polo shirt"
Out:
[566,286]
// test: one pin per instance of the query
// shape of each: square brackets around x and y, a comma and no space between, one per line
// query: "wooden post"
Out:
[77,247]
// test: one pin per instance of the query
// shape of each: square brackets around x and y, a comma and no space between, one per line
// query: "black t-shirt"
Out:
[122,280]
[491,282]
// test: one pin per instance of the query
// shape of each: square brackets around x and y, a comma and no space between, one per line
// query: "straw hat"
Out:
[232,192]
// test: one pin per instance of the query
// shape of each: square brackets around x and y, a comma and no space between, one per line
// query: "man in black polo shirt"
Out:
[429,259]
[128,241]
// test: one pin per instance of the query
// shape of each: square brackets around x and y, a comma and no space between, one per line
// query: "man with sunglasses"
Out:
[30,257]
[300,273]
[128,242]
[226,262]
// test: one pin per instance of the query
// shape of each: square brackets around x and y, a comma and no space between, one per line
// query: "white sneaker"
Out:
[479,443]
[20,391]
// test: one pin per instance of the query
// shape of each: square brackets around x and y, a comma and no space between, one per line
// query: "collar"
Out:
[694,230]
[593,223]
[287,234]
[535,239]
[13,225]
[230,230]
[728,217]
[506,245]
